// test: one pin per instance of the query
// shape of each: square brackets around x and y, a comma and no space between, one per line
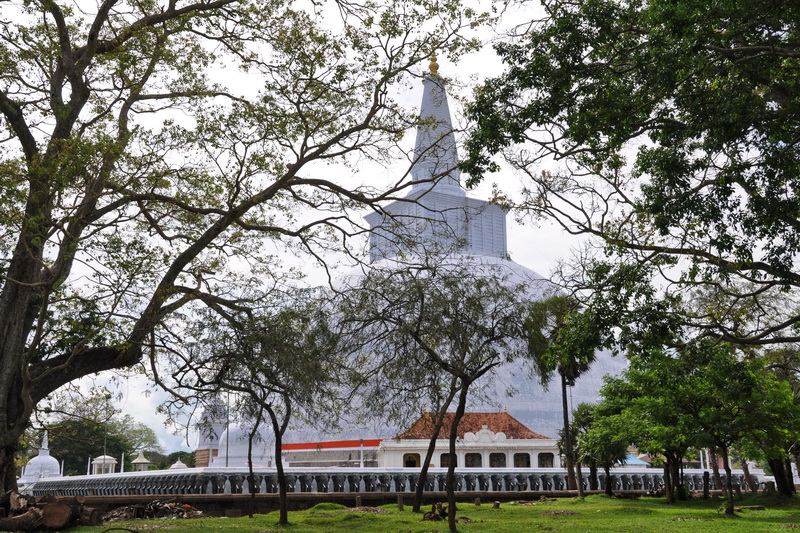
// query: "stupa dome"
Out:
[536,286]
[178,465]
[233,446]
[43,465]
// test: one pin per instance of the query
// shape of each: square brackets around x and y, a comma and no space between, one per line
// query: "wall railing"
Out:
[237,481]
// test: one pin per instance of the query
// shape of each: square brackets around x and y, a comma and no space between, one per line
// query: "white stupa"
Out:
[178,465]
[43,465]
[437,216]
[233,446]
[209,430]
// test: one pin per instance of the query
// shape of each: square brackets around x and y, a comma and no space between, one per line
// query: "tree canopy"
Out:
[670,132]
[436,325]
[667,133]
[705,396]
[155,154]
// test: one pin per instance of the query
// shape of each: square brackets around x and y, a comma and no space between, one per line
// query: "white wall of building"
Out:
[483,449]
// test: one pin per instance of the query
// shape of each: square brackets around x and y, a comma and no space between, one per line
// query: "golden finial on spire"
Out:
[434,66]
[505,408]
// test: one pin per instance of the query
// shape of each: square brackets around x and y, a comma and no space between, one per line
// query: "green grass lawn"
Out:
[595,514]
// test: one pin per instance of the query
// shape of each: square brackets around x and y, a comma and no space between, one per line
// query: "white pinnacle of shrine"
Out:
[211,425]
[435,165]
[437,213]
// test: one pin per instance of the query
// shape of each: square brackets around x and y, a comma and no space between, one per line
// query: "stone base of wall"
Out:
[219,504]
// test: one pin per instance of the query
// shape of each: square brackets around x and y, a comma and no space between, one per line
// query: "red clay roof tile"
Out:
[470,422]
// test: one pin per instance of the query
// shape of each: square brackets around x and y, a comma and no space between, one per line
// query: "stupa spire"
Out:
[436,214]
[435,154]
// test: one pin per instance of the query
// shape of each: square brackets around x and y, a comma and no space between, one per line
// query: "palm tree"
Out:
[562,340]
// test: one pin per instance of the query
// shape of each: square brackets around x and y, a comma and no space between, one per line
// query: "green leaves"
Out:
[674,128]
[705,395]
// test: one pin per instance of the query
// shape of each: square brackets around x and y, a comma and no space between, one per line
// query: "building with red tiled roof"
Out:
[470,423]
[496,440]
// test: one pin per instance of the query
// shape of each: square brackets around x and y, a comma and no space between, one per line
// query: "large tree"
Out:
[280,362]
[149,149]
[669,131]
[705,395]
[681,381]
[455,317]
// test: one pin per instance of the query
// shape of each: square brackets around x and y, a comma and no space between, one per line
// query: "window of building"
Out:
[411,460]
[445,460]
[497,460]
[522,460]
[473,460]
[546,460]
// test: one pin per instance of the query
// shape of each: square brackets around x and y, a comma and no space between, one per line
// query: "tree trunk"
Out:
[571,484]
[423,472]
[29,521]
[451,467]
[57,515]
[609,490]
[675,476]
[283,500]
[593,484]
[15,419]
[728,482]
[46,512]
[779,471]
[712,460]
[23,286]
[579,479]
[251,485]
[670,494]
[90,516]
[787,464]
[18,503]
[751,483]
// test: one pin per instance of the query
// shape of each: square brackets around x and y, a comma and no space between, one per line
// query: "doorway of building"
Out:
[411,460]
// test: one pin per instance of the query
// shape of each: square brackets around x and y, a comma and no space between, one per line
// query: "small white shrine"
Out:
[42,466]
[104,464]
[178,465]
[141,463]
